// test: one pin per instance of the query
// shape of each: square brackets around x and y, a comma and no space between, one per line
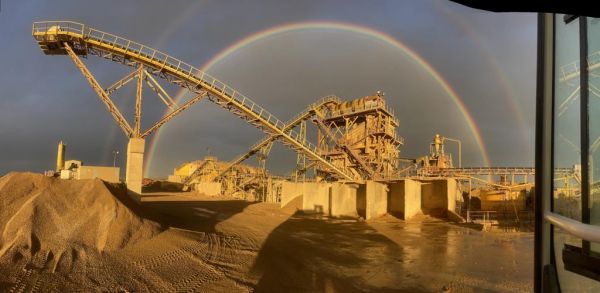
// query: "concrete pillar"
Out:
[315,197]
[404,199]
[134,171]
[290,191]
[439,197]
[453,193]
[343,199]
[434,200]
[376,199]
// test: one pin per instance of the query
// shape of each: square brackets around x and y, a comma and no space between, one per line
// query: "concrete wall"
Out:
[174,178]
[452,192]
[376,197]
[208,188]
[343,199]
[108,174]
[404,198]
[396,198]
[371,200]
[412,205]
[335,199]
[316,197]
[66,174]
[438,196]
[361,200]
[289,191]
[434,198]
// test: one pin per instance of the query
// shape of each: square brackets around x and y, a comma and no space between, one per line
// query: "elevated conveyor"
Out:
[478,171]
[572,70]
[58,37]
[290,124]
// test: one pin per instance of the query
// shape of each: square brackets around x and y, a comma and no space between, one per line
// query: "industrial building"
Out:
[74,169]
[352,167]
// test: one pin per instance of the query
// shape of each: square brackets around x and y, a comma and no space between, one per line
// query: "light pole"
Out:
[115,153]
[459,149]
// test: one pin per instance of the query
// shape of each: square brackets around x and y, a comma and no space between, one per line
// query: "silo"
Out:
[60,156]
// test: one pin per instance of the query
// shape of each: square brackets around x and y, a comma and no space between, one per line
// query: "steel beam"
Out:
[121,82]
[138,102]
[112,108]
[182,74]
[170,116]
[162,91]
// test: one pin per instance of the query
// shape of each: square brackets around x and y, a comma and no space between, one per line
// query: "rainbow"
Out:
[468,29]
[358,29]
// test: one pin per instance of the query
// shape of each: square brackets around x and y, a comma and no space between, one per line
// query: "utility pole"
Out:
[115,153]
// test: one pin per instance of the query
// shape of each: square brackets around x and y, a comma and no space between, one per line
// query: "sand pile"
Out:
[53,216]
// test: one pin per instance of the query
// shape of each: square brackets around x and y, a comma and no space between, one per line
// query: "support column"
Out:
[376,196]
[134,171]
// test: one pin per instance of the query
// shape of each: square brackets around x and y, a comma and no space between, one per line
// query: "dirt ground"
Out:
[215,244]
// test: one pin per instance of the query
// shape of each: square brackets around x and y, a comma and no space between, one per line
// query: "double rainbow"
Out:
[358,29]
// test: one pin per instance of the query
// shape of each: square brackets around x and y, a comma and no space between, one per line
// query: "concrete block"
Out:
[404,198]
[108,174]
[434,200]
[376,199]
[315,197]
[66,174]
[134,170]
[452,192]
[343,199]
[412,202]
[136,145]
[289,191]
[438,197]
[208,188]
[396,198]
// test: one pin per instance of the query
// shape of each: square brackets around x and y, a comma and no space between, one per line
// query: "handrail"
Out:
[360,108]
[580,230]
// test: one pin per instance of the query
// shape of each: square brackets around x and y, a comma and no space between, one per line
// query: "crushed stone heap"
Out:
[64,218]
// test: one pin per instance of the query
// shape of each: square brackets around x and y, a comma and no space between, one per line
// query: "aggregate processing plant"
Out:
[353,168]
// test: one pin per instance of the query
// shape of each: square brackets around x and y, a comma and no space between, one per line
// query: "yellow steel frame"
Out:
[112,108]
[55,36]
[353,156]
[290,124]
[104,95]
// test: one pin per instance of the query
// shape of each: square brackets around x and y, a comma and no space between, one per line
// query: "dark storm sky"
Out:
[489,59]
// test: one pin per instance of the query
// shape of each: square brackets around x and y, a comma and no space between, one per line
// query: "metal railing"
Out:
[483,217]
[571,70]
[580,230]
[361,108]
